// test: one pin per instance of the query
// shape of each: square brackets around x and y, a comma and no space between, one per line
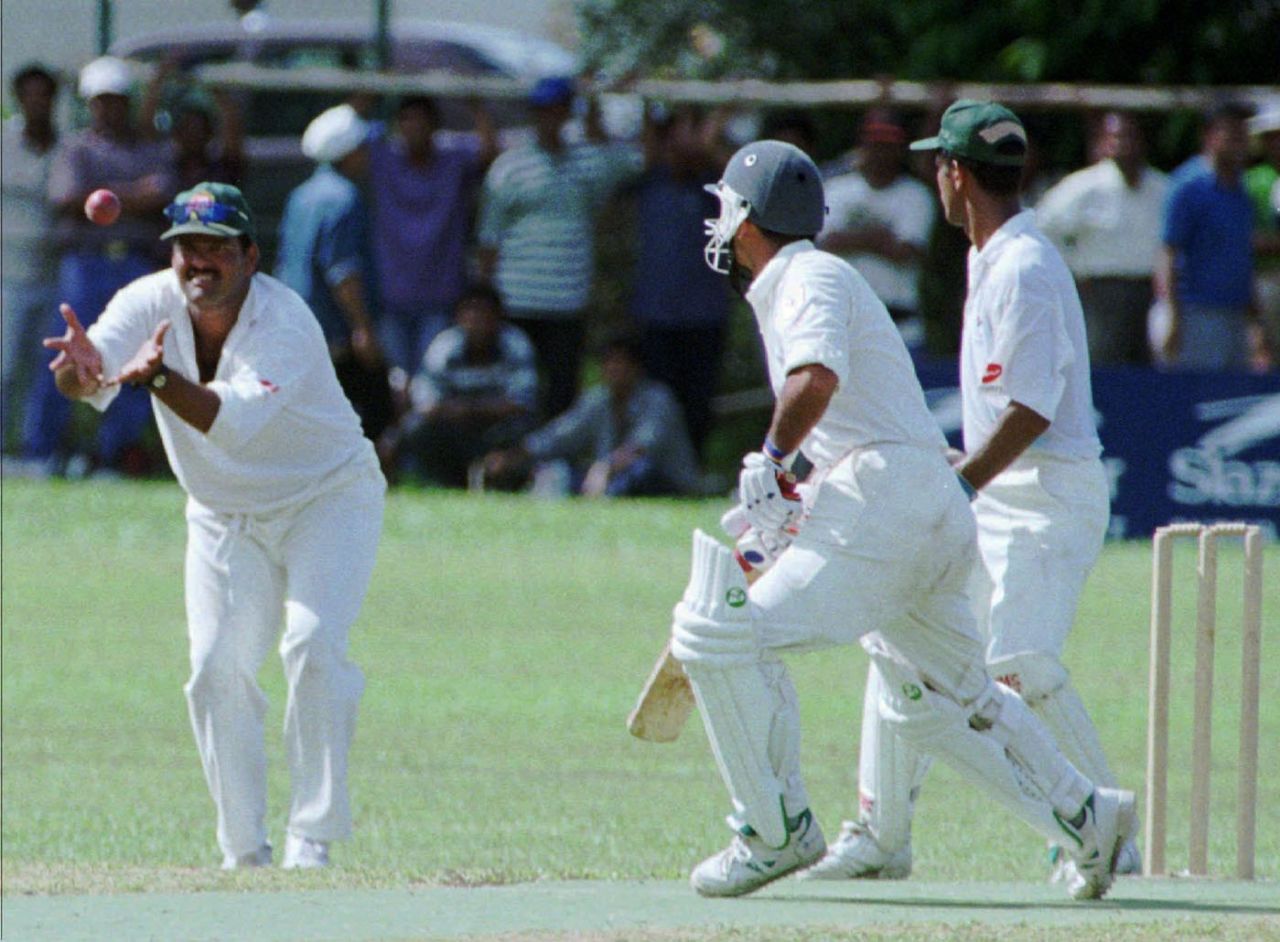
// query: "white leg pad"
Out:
[1029,745]
[890,771]
[1045,686]
[939,726]
[713,637]
[784,735]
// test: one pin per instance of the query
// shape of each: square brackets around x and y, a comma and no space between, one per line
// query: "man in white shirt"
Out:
[1032,463]
[1107,219]
[882,552]
[284,509]
[879,221]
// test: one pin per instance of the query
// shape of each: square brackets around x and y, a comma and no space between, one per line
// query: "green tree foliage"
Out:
[1120,41]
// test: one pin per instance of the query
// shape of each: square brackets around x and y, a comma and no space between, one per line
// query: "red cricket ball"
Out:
[102,207]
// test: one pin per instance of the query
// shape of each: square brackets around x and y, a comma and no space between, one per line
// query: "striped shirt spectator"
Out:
[539,210]
[536,232]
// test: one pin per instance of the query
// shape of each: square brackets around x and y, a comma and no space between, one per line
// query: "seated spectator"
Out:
[476,390]
[1106,220]
[423,187]
[624,437]
[1206,264]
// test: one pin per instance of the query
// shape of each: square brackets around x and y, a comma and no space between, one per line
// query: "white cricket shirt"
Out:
[1024,340]
[812,307]
[284,432]
[1104,227]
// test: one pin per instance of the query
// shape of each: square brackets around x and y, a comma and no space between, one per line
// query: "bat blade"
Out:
[665,702]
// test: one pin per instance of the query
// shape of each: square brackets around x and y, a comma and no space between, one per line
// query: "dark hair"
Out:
[995,179]
[626,342]
[32,70]
[1228,111]
[425,102]
[480,293]
[793,121]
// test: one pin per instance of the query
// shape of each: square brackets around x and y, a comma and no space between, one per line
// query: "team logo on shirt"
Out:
[992,373]
[271,387]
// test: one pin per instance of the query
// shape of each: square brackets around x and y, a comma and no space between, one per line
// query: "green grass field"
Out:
[503,642]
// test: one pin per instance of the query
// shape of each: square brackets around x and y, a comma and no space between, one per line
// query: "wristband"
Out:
[970,491]
[779,457]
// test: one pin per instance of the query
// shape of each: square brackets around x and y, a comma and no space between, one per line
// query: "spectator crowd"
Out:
[454,277]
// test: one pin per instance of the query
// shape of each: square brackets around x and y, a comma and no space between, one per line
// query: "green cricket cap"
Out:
[216,209]
[981,131]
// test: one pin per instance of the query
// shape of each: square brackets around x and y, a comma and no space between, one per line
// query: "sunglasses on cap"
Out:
[204,210]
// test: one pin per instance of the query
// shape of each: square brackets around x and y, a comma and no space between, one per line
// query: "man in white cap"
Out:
[98,260]
[326,255]
[284,510]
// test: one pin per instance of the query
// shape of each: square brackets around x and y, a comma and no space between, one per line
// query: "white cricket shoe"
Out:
[1128,863]
[303,853]
[1110,818]
[1129,860]
[255,858]
[748,863]
[856,856]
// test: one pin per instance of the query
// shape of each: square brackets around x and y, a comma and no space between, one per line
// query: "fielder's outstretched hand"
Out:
[76,349]
[147,361]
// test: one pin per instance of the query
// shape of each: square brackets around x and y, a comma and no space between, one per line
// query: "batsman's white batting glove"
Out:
[767,489]
[754,549]
[757,550]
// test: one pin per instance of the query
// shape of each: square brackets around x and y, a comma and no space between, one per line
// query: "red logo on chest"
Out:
[992,372]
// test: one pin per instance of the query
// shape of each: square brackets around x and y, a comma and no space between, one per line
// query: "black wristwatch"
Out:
[159,380]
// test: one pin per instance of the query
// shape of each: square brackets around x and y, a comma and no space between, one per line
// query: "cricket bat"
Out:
[666,700]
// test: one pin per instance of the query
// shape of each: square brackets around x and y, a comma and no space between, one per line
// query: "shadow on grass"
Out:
[1189,907]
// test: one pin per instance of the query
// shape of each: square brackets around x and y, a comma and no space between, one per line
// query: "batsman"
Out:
[883,557]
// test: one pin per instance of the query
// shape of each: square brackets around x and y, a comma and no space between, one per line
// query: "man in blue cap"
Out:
[284,509]
[537,232]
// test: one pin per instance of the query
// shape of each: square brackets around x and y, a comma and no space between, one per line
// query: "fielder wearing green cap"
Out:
[217,209]
[980,131]
[875,548]
[283,518]
[1040,497]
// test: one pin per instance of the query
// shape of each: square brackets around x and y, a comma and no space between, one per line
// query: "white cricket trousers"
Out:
[885,558]
[310,562]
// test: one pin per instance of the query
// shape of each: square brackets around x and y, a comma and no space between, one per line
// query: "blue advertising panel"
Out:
[1199,447]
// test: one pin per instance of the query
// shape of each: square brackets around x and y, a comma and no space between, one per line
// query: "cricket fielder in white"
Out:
[883,556]
[1032,464]
[284,510]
